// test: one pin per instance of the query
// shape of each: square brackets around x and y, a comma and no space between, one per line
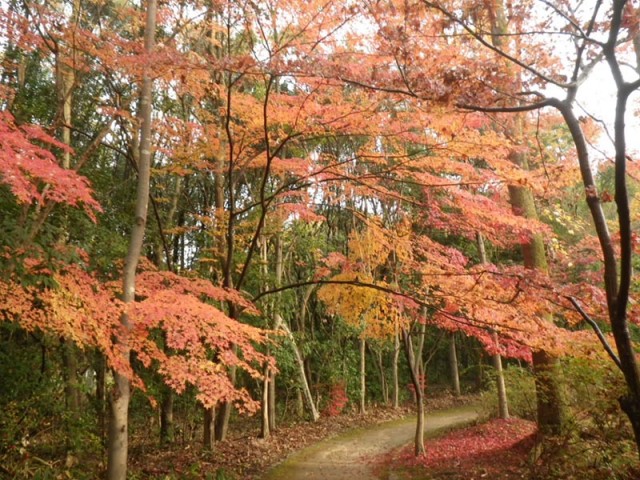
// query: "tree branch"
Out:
[549,102]
[597,330]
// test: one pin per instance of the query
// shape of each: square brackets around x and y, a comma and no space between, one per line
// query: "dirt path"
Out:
[342,457]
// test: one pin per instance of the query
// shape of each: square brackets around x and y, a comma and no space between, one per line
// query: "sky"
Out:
[598,97]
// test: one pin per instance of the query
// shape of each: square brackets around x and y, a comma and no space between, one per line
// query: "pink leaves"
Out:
[32,172]
[493,448]
[175,327]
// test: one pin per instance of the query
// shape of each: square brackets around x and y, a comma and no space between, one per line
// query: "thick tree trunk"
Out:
[453,365]
[545,366]
[300,402]
[630,403]
[522,203]
[71,384]
[167,434]
[118,439]
[117,446]
[209,428]
[548,396]
[224,412]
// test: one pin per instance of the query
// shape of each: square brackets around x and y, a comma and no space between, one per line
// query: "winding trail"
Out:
[343,457]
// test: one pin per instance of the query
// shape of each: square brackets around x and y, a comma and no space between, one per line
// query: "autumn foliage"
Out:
[323,166]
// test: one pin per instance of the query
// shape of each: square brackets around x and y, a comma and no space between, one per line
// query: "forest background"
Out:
[211,207]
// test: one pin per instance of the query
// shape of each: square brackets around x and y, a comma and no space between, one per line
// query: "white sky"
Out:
[598,97]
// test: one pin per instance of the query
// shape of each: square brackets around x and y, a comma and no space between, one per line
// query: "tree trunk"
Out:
[522,203]
[65,79]
[264,420]
[420,366]
[101,370]
[272,373]
[272,400]
[453,365]
[301,369]
[384,389]
[117,447]
[209,428]
[300,401]
[167,435]
[503,408]
[363,385]
[396,383]
[71,384]
[118,440]
[419,397]
[224,412]
[265,423]
[547,393]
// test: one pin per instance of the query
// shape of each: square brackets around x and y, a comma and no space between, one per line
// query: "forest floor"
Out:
[353,455]
[354,444]
[497,450]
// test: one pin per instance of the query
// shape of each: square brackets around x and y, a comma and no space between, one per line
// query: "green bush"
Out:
[597,440]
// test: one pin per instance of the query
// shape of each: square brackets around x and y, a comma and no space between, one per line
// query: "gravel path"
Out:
[343,457]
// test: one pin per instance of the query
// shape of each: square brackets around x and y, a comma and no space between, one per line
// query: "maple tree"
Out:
[334,163]
[618,17]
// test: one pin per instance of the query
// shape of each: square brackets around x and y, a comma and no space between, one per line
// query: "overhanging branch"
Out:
[597,330]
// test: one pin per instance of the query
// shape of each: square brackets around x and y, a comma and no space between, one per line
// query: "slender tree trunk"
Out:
[453,365]
[117,446]
[396,383]
[167,433]
[264,420]
[363,384]
[419,396]
[420,366]
[65,78]
[503,406]
[272,400]
[384,389]
[279,271]
[265,423]
[301,368]
[101,371]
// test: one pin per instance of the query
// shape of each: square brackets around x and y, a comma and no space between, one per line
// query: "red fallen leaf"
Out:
[486,450]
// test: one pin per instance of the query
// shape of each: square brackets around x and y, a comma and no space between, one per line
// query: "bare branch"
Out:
[597,330]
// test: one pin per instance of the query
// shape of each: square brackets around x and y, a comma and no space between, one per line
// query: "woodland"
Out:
[220,215]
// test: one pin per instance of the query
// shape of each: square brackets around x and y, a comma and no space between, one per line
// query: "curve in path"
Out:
[343,457]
